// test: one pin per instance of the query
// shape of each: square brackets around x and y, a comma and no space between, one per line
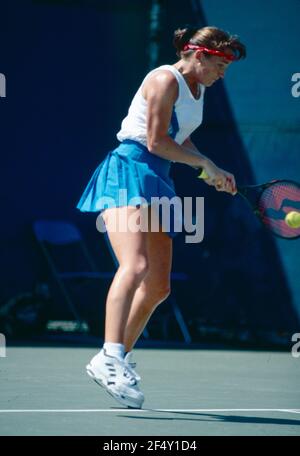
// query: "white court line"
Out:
[129,410]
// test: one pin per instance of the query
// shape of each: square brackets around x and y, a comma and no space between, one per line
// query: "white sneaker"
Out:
[131,365]
[116,377]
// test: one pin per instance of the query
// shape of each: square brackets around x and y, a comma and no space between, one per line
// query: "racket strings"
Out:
[275,203]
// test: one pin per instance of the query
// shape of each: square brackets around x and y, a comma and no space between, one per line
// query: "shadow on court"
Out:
[45,391]
[216,417]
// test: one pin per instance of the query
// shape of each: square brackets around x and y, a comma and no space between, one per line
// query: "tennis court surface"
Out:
[45,391]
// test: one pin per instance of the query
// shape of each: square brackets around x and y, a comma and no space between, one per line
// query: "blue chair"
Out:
[77,265]
[68,259]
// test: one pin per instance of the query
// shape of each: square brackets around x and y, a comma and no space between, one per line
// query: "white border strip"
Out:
[130,410]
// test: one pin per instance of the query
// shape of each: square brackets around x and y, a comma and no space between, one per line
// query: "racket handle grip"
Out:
[203,175]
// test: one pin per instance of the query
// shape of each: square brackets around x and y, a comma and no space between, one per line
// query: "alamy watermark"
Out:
[2,346]
[2,85]
[296,87]
[296,347]
[173,215]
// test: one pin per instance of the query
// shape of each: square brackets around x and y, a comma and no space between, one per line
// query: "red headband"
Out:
[194,47]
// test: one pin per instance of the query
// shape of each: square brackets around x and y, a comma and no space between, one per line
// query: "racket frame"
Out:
[242,190]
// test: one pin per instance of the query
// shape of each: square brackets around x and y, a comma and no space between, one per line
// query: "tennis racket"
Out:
[271,202]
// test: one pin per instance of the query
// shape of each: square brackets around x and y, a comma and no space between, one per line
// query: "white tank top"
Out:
[186,116]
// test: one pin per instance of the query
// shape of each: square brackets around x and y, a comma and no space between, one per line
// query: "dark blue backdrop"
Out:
[71,70]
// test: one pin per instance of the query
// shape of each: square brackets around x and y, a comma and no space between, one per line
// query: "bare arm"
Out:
[161,91]
[189,145]
[229,185]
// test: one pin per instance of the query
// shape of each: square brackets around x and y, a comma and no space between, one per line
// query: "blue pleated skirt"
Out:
[131,168]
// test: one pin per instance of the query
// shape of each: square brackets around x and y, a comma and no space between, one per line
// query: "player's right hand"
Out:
[222,180]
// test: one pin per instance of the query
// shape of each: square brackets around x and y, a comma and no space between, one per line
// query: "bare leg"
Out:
[154,288]
[130,250]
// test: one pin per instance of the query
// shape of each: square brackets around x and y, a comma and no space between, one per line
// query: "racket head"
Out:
[274,200]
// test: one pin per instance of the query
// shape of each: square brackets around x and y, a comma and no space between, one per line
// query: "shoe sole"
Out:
[116,396]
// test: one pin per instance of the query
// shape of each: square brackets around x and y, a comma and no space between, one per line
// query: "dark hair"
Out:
[210,37]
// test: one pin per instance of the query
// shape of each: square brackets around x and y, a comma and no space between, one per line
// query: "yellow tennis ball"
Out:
[292,219]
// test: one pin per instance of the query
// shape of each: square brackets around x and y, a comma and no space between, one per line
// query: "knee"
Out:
[137,270]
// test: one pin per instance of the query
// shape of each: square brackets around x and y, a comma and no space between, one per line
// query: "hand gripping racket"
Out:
[275,203]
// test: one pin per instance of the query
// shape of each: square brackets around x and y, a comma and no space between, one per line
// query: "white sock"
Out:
[114,349]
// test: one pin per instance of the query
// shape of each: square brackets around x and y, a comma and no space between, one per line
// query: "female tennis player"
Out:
[164,112]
